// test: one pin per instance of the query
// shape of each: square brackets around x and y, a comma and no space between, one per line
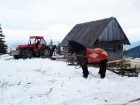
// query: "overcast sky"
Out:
[55,18]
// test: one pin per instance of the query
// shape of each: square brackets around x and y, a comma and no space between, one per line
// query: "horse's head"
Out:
[70,47]
[75,47]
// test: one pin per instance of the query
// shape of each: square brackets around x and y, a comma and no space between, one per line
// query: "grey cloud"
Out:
[41,14]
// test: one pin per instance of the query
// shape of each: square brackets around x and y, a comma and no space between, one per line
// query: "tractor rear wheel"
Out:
[45,52]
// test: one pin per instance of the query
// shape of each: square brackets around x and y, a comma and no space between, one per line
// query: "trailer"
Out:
[124,67]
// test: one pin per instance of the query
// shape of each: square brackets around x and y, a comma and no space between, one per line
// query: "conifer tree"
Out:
[51,42]
[3,46]
[58,49]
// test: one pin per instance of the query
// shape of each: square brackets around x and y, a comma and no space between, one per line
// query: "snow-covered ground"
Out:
[40,81]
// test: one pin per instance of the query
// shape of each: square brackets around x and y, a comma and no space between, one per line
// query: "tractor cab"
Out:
[37,39]
[37,42]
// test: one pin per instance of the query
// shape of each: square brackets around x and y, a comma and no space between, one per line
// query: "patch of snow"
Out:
[40,81]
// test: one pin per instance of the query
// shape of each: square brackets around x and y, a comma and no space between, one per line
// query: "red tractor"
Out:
[36,47]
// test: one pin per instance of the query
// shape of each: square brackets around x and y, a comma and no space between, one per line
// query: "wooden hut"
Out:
[105,33]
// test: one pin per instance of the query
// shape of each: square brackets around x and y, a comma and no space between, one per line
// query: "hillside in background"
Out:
[135,44]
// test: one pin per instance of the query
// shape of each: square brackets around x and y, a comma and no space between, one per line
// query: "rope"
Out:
[80,65]
[135,100]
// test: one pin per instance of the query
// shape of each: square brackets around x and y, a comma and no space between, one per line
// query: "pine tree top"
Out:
[1,34]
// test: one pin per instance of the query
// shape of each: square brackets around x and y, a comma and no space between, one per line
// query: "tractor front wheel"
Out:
[26,54]
[16,57]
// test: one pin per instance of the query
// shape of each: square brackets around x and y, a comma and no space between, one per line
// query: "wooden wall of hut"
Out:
[113,48]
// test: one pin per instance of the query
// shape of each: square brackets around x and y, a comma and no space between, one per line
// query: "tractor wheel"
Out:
[29,54]
[16,57]
[26,54]
[45,52]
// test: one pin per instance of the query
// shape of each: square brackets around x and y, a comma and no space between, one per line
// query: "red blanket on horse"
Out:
[96,55]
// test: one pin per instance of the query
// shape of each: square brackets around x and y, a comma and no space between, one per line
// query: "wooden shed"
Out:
[104,33]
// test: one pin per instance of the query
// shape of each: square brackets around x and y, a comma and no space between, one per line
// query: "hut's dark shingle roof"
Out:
[87,33]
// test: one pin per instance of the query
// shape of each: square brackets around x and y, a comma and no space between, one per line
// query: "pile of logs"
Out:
[124,67]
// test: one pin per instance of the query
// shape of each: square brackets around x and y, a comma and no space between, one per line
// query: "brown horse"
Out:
[85,56]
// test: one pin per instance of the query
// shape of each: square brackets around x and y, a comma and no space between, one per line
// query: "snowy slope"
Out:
[45,82]
[133,45]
